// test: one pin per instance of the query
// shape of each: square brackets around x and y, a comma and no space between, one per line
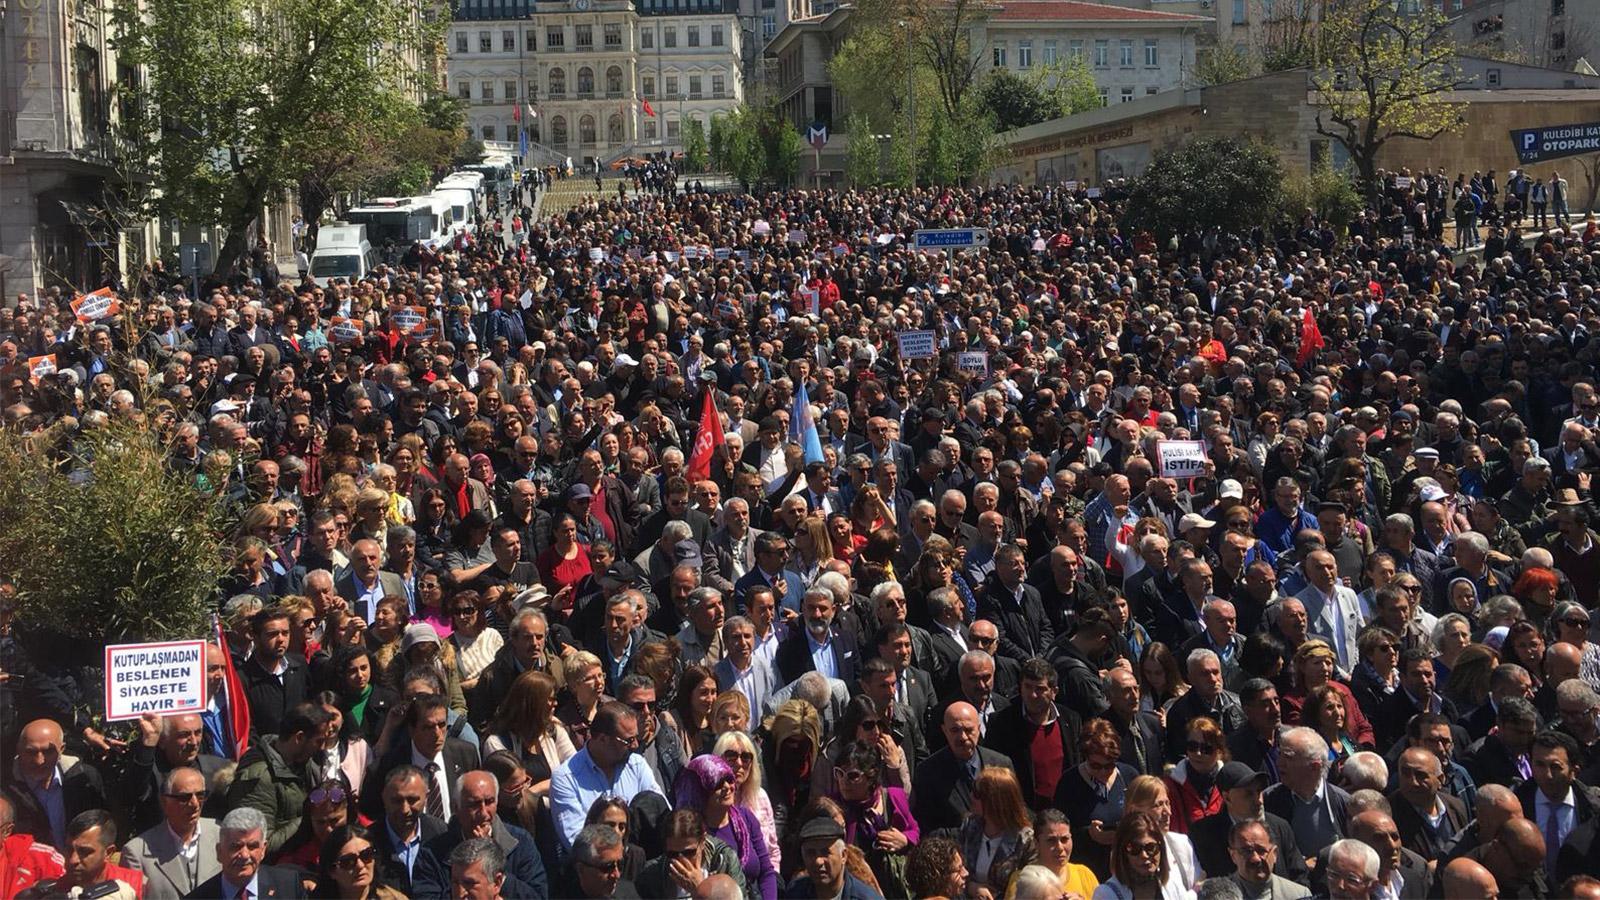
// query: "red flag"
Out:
[235,708]
[1310,339]
[708,437]
[647,109]
[516,112]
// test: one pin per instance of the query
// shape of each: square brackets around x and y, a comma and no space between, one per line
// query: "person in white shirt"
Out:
[1332,608]
[179,854]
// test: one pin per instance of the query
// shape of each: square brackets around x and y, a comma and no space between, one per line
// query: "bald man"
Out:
[1466,878]
[50,787]
[1429,818]
[1561,662]
[1516,859]
[1402,872]
[717,887]
[943,785]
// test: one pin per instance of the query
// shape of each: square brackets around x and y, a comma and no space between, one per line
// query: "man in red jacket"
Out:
[24,861]
[91,839]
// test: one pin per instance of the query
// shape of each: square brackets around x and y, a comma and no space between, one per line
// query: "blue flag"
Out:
[803,428]
[522,141]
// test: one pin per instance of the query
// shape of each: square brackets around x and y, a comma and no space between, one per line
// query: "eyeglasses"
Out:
[743,756]
[646,706]
[984,640]
[1575,622]
[688,853]
[463,611]
[853,776]
[189,796]
[1200,747]
[870,724]
[1149,848]
[365,858]
[330,794]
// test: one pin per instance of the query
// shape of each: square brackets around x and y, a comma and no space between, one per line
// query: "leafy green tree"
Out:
[1213,182]
[783,153]
[941,157]
[1328,193]
[864,159]
[1223,65]
[244,97]
[1387,74]
[1016,102]
[695,152]
[1070,85]
[717,142]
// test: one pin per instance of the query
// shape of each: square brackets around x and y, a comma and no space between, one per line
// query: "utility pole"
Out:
[911,100]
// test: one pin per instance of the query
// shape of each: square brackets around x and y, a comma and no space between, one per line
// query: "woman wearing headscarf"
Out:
[707,784]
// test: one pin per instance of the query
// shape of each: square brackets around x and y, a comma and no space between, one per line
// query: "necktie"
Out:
[1552,837]
[1138,745]
[435,796]
[244,893]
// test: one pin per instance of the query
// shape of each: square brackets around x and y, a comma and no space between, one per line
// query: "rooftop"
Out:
[1080,11]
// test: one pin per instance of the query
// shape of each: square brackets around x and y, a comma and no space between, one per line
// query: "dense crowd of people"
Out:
[662,563]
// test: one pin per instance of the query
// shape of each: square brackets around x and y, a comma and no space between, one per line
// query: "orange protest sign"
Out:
[346,331]
[101,304]
[41,366]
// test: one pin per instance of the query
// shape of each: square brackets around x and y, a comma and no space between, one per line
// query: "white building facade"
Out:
[594,79]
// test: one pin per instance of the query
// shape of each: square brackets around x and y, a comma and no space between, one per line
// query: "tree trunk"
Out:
[237,246]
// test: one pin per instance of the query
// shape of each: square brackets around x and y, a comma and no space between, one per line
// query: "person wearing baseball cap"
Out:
[1242,788]
[822,853]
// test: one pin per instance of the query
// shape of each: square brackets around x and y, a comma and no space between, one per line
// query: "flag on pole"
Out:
[648,110]
[516,112]
[235,708]
[522,142]
[803,428]
[532,113]
[707,438]
[1310,339]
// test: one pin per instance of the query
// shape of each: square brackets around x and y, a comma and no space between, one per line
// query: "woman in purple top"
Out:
[707,783]
[877,819]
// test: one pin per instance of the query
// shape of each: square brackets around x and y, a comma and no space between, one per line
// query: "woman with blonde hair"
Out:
[371,514]
[997,827]
[736,748]
[730,712]
[526,727]
[586,682]
[1141,866]
[1147,794]
[813,548]
[1314,665]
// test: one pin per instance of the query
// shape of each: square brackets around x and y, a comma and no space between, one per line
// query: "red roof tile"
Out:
[1078,10]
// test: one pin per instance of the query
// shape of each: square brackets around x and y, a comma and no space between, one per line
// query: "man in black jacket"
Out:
[1040,738]
[1140,732]
[1078,661]
[39,768]
[441,759]
[1502,757]
[275,680]
[1014,606]
[405,826]
[475,817]
[1242,788]
[1256,744]
[164,745]
[942,787]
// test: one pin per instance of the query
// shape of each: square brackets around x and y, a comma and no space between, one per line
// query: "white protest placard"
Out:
[812,298]
[884,240]
[1070,185]
[973,361]
[796,236]
[166,678]
[597,254]
[690,251]
[762,226]
[917,345]
[1093,193]
[41,366]
[1181,459]
[721,253]
[1402,181]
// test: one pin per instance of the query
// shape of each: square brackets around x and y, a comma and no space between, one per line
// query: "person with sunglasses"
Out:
[689,856]
[1139,865]
[327,809]
[597,864]
[707,784]
[348,868]
[179,853]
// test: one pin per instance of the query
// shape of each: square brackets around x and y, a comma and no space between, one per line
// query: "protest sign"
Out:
[691,252]
[917,345]
[1402,182]
[596,254]
[812,298]
[346,331]
[1093,193]
[973,361]
[1181,459]
[410,319]
[796,236]
[41,366]
[167,678]
[101,304]
[722,253]
[762,226]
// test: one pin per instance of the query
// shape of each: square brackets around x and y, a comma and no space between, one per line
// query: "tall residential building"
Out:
[1554,33]
[594,79]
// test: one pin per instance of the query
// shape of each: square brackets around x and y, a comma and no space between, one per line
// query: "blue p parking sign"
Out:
[1555,142]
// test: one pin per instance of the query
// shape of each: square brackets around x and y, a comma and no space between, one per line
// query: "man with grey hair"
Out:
[241,846]
[597,854]
[1352,870]
[1315,809]
[1206,697]
[701,636]
[477,798]
[741,670]
[828,696]
[1527,503]
[1364,770]
[179,852]
[477,870]
[1472,563]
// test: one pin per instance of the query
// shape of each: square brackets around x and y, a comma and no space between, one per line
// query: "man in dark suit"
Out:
[1377,830]
[818,640]
[405,827]
[441,759]
[1502,757]
[1039,737]
[1256,744]
[165,744]
[942,787]
[952,524]
[1416,695]
[1554,799]
[913,686]
[1141,734]
[241,846]
[947,630]
[1313,807]
[364,583]
[275,680]
[880,682]
[41,765]
[1420,800]
[1014,606]
[475,817]
[1507,680]
[819,492]
[771,549]
[1574,452]
[1242,788]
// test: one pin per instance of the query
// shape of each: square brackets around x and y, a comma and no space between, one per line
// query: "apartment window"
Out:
[488,132]
[716,36]
[558,82]
[584,36]
[511,90]
[1075,50]
[511,133]
[769,27]
[694,87]
[464,89]
[649,128]
[1024,54]
[1105,97]
[485,42]
[1127,94]
[531,40]
[672,86]
[533,90]
[486,90]
[613,34]
[461,42]
[1151,55]
[508,40]
[672,129]
[718,85]
[1000,55]
[1558,8]
[1149,92]
[585,82]
[1102,54]
[694,35]
[1049,53]
[669,37]
[647,38]
[1238,12]
[1125,54]
[649,87]
[555,38]
[1491,77]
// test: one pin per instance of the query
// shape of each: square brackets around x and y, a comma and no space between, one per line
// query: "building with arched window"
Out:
[594,79]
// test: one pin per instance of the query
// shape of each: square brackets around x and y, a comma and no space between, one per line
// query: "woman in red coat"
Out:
[1313,667]
[1192,783]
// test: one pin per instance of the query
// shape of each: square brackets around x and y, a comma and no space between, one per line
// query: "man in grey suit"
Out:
[739,669]
[180,853]
[363,584]
[734,544]
[1254,854]
[1332,608]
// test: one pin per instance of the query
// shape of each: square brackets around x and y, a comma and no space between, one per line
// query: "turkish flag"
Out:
[647,109]
[236,709]
[707,438]
[1310,339]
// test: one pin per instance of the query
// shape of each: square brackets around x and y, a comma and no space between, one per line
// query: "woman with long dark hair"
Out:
[877,818]
[347,867]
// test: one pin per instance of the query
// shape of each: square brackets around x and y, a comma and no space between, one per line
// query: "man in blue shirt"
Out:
[605,767]
[1277,526]
[406,825]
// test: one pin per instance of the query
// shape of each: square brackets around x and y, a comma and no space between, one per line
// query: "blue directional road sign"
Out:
[950,238]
